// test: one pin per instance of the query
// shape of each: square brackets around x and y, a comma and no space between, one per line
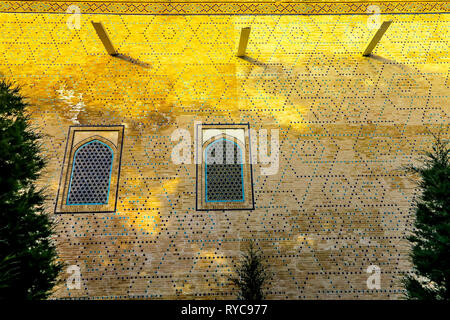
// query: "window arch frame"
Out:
[79,135]
[207,145]
[205,134]
[79,146]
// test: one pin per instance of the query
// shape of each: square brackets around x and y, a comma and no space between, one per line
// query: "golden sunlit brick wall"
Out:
[347,125]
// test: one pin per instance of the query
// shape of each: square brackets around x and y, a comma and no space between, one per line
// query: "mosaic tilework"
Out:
[226,7]
[347,125]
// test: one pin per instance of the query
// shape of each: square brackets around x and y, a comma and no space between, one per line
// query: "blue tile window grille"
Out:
[91,174]
[224,172]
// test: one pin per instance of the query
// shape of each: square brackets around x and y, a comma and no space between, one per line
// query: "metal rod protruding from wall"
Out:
[245,33]
[377,37]
[103,35]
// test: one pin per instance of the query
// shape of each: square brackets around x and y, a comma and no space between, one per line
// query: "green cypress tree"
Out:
[430,237]
[250,275]
[28,259]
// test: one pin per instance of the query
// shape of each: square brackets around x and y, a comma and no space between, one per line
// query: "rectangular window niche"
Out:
[90,172]
[224,178]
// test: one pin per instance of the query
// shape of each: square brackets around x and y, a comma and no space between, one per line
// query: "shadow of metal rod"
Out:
[132,60]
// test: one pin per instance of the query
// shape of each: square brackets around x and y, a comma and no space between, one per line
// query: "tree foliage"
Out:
[28,259]
[250,275]
[431,234]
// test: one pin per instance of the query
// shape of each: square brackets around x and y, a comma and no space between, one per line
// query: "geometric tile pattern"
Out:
[226,7]
[91,173]
[348,124]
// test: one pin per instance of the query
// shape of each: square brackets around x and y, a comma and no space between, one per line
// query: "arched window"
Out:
[91,174]
[224,172]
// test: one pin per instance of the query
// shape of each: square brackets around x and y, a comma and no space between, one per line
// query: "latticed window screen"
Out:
[91,174]
[223,172]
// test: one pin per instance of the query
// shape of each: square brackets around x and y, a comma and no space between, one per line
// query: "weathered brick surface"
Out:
[347,125]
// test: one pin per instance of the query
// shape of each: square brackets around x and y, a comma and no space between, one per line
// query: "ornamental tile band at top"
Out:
[225,8]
